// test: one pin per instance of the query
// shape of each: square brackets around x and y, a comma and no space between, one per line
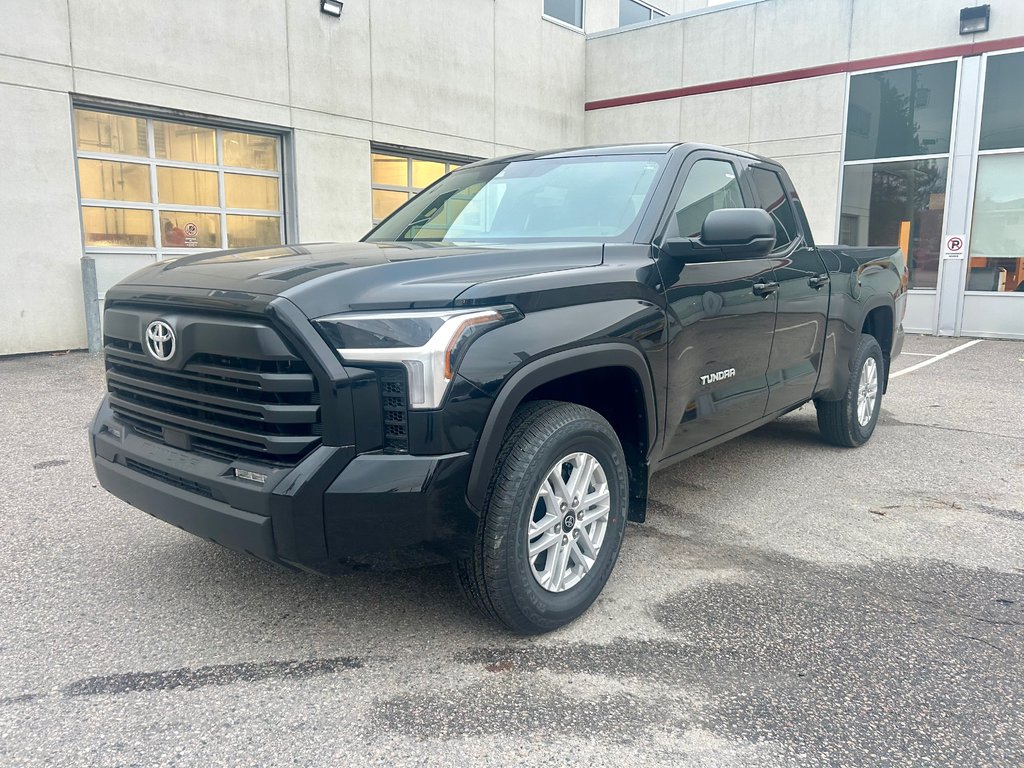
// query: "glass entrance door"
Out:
[993,303]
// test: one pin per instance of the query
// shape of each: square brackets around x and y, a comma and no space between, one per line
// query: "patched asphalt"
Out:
[786,604]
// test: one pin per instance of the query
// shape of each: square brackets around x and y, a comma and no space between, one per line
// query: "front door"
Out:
[720,320]
[803,296]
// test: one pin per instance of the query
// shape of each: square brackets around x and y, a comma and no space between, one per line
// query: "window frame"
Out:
[948,156]
[159,250]
[409,155]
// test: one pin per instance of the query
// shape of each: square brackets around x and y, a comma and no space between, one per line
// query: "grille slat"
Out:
[218,375]
[228,407]
[257,412]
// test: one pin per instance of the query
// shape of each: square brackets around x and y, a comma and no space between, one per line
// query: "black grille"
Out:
[167,477]
[395,409]
[217,405]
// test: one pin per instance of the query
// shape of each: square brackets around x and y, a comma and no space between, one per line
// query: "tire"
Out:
[501,578]
[851,421]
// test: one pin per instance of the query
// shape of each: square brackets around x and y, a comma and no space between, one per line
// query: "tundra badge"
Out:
[708,378]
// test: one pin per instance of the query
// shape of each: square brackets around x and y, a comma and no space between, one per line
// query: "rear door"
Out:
[720,327]
[803,293]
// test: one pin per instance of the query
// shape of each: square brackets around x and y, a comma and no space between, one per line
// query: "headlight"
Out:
[428,343]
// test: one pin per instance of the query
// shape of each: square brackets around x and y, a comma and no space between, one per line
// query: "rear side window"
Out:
[774,200]
[710,185]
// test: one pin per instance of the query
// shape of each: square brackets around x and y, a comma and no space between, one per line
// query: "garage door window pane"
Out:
[253,231]
[250,150]
[111,180]
[426,172]
[180,186]
[997,232]
[109,133]
[184,143]
[386,201]
[389,170]
[111,227]
[185,229]
[901,112]
[259,192]
[897,204]
[1002,117]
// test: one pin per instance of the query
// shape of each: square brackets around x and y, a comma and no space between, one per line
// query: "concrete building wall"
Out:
[799,122]
[455,76]
[465,77]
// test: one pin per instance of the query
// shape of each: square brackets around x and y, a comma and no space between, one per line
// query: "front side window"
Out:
[776,203]
[710,185]
[575,198]
[165,187]
[632,12]
[569,11]
[395,178]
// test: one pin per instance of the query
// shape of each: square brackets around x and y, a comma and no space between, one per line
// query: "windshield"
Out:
[572,198]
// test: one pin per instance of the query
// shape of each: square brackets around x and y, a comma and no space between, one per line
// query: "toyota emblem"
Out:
[160,340]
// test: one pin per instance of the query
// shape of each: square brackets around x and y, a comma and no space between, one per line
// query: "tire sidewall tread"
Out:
[504,586]
[837,420]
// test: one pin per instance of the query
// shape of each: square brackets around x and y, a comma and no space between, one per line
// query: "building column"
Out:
[953,271]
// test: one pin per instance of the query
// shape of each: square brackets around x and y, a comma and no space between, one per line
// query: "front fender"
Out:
[552,366]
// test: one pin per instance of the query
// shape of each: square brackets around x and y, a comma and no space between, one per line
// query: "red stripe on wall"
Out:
[892,60]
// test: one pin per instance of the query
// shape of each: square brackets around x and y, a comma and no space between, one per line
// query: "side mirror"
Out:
[727,234]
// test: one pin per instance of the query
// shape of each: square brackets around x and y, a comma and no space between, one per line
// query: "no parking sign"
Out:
[953,246]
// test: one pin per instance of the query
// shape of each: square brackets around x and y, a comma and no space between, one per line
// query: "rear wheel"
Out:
[851,421]
[553,521]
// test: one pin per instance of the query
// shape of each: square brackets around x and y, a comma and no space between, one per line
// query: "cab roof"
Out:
[662,148]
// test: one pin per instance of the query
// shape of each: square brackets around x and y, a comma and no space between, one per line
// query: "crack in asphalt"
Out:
[220,674]
[888,420]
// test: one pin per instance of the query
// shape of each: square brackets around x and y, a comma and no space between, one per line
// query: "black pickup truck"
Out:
[492,375]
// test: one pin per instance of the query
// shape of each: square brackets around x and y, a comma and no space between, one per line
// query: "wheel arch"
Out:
[874,316]
[879,323]
[557,376]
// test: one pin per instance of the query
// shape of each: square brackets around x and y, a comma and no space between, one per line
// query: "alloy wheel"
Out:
[569,522]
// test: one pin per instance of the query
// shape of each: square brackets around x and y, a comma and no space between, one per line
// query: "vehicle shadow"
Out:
[202,578]
[231,588]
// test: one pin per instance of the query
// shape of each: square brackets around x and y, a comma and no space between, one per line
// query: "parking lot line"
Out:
[935,359]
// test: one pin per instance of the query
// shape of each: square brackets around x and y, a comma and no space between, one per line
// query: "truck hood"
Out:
[324,278]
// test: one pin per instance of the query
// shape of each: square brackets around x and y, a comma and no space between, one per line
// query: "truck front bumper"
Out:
[333,511]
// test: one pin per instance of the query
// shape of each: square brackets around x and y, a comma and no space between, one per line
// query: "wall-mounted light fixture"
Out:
[333,7]
[974,20]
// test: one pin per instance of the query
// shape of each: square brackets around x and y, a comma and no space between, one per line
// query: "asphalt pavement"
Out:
[786,604]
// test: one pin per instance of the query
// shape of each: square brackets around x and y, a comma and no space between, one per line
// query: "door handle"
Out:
[764,290]
[818,281]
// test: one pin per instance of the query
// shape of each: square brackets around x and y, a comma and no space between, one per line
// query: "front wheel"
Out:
[553,521]
[851,421]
